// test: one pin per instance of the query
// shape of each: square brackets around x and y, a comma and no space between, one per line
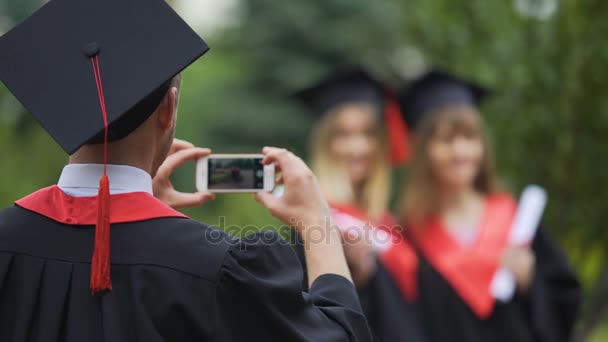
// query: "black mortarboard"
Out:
[349,84]
[353,84]
[141,45]
[434,90]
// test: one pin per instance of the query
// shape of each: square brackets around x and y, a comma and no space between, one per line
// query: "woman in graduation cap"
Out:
[461,225]
[352,158]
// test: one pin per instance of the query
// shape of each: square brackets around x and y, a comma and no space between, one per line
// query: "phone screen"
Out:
[235,173]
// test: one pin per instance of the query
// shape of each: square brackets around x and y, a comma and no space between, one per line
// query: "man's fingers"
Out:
[271,154]
[179,145]
[267,149]
[179,158]
[284,160]
[292,167]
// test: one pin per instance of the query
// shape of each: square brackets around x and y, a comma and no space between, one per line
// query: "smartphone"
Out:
[225,173]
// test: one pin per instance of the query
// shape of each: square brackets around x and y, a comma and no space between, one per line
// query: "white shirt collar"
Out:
[82,180]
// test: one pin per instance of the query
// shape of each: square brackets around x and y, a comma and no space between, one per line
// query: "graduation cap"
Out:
[344,85]
[354,84]
[434,90]
[92,71]
[140,44]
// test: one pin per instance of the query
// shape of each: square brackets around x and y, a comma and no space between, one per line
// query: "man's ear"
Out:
[168,110]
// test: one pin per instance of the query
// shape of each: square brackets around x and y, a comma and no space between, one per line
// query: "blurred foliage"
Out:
[548,115]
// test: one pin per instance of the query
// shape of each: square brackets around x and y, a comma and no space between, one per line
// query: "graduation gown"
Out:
[391,317]
[451,285]
[174,279]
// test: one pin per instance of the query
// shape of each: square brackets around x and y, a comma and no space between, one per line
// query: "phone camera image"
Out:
[235,173]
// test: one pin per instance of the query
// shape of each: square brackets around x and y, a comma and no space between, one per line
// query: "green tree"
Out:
[547,73]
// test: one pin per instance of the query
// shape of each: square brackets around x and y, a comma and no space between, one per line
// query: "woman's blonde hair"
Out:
[419,200]
[333,177]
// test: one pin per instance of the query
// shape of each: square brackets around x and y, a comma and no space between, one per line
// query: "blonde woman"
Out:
[358,136]
[460,223]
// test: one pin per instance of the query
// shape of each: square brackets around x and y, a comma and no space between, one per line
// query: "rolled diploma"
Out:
[527,218]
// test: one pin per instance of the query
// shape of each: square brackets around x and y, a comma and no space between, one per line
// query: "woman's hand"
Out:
[521,262]
[360,254]
[180,152]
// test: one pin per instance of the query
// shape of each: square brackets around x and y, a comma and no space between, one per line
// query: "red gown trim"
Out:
[387,220]
[469,270]
[53,203]
[399,259]
[401,262]
[351,210]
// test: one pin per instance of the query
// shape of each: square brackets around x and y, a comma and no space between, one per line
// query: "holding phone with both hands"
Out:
[234,173]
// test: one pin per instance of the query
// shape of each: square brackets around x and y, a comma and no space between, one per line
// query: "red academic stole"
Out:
[387,220]
[53,203]
[399,258]
[401,262]
[470,270]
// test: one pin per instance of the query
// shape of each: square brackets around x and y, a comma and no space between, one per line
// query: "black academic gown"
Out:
[547,313]
[174,279]
[437,312]
[391,317]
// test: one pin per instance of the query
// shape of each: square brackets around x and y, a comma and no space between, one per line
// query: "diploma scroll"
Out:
[527,219]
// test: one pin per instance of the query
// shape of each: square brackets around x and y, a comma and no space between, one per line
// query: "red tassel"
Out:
[398,135]
[100,266]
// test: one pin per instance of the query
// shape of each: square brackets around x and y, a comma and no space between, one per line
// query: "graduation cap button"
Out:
[91,49]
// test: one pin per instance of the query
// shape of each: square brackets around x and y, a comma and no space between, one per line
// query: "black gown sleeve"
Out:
[299,249]
[555,292]
[260,297]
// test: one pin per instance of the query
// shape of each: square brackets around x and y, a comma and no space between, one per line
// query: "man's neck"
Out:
[82,180]
[117,155]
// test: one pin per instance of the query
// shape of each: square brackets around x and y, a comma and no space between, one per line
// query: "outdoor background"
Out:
[545,60]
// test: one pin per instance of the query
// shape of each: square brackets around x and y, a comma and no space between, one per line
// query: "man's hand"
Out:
[303,207]
[180,152]
[302,204]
